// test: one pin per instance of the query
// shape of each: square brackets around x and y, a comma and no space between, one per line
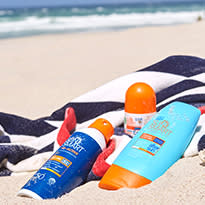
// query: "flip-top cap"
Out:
[117,177]
[104,126]
[140,98]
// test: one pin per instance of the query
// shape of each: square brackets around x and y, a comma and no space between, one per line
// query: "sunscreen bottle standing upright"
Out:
[140,106]
[70,165]
[156,147]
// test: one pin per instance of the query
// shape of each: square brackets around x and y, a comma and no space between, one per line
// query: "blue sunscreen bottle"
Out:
[156,147]
[70,165]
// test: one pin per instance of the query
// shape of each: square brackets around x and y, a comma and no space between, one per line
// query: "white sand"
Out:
[183,183]
[41,74]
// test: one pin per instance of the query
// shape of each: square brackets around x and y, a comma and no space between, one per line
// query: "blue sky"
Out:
[31,3]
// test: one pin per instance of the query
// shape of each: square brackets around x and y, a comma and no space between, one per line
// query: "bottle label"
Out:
[134,122]
[69,151]
[148,143]
[67,168]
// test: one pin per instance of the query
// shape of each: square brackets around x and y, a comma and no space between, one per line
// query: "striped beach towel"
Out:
[26,144]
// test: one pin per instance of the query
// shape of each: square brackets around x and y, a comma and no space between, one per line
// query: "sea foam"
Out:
[30,22]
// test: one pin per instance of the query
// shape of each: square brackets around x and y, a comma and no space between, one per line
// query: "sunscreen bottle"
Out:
[70,165]
[140,106]
[156,147]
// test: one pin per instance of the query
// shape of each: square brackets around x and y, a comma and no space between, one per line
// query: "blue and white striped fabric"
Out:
[25,144]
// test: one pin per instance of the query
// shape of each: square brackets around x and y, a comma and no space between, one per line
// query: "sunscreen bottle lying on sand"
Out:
[156,147]
[70,165]
[140,107]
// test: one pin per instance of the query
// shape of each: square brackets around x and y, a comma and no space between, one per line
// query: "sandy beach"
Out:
[42,73]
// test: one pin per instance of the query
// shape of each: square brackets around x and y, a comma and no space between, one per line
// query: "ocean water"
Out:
[36,21]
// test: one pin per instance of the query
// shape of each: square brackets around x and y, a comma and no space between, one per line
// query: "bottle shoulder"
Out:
[95,135]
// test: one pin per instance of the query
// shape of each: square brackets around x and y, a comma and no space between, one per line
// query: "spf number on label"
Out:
[65,162]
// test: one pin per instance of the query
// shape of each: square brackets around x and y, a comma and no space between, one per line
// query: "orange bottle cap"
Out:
[140,98]
[117,177]
[104,126]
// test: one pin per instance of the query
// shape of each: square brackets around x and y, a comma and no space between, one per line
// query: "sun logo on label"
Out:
[51,181]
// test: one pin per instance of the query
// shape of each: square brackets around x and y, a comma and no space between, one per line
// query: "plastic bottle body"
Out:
[157,146]
[140,107]
[68,167]
[133,123]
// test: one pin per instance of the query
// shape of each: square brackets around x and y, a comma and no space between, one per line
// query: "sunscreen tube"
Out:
[70,165]
[140,107]
[156,147]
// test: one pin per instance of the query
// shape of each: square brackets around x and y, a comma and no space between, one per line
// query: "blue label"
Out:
[67,168]
[158,141]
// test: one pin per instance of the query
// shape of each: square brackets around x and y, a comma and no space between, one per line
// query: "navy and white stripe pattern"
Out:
[25,144]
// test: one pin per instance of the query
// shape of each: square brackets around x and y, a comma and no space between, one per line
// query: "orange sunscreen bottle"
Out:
[140,106]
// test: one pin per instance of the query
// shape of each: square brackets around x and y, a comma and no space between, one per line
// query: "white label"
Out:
[134,122]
